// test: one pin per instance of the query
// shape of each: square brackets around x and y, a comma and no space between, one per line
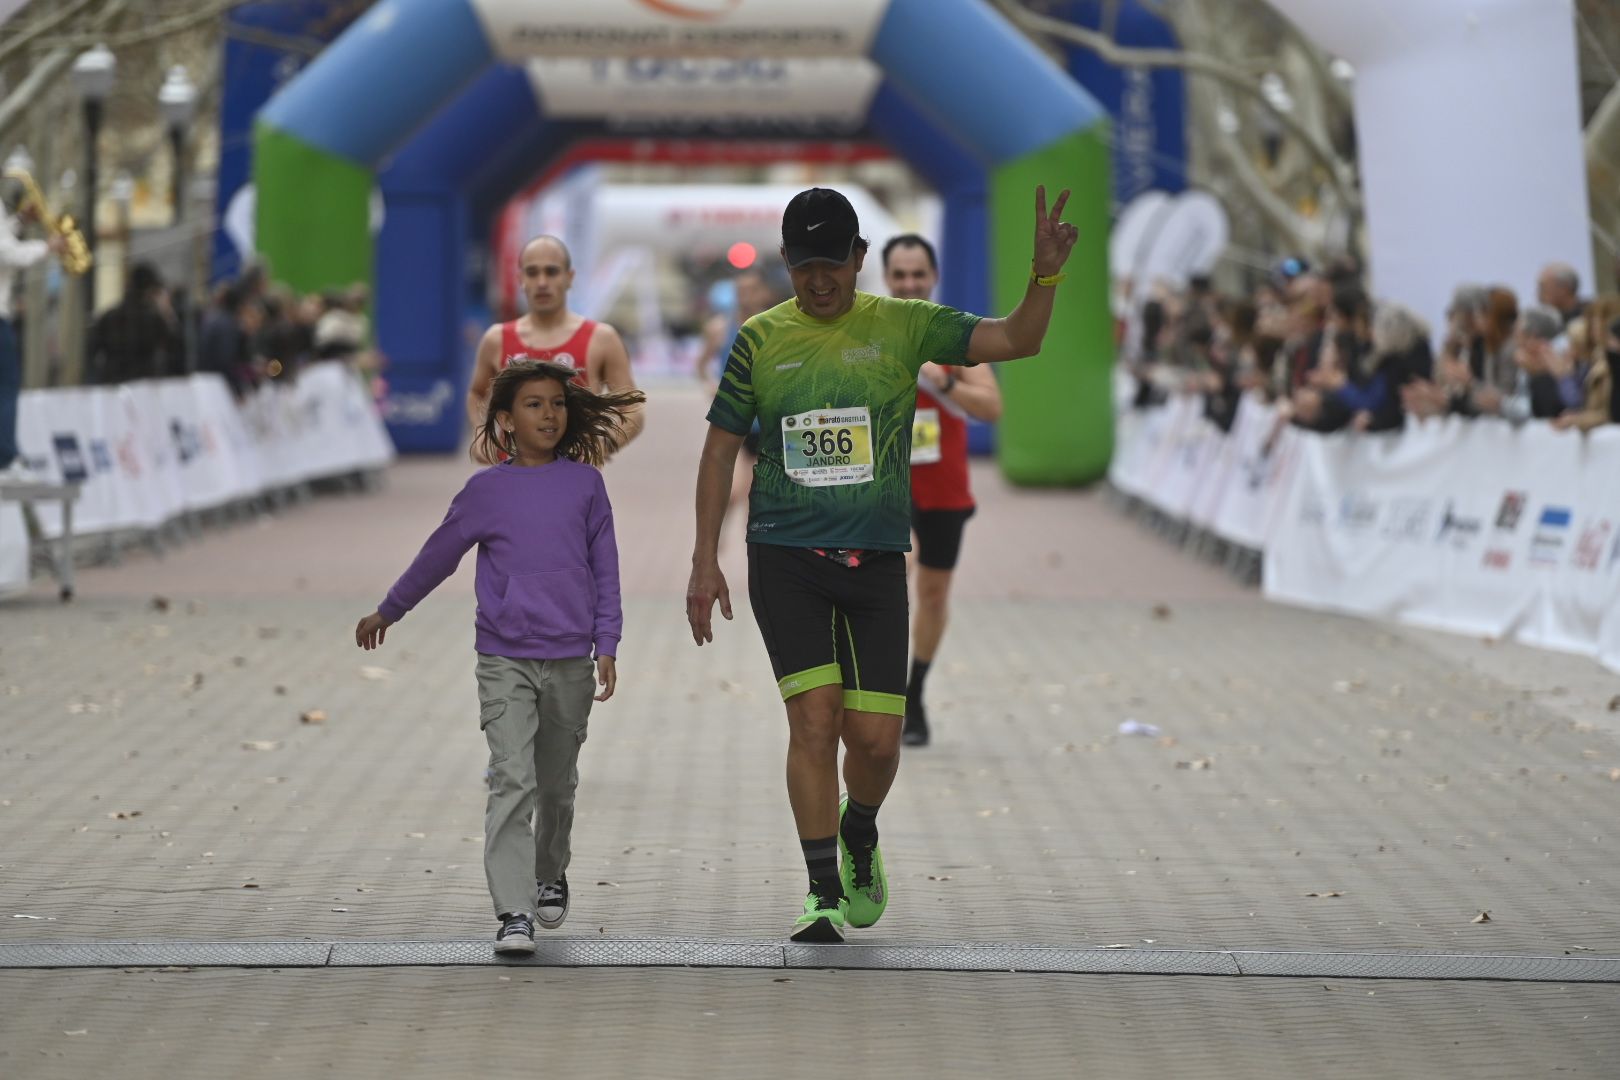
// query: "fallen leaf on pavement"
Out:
[374,673]
[1614,703]
[313,716]
[1161,611]
[124,815]
[160,603]
[1482,917]
[1323,895]
[416,835]
[609,884]
[260,744]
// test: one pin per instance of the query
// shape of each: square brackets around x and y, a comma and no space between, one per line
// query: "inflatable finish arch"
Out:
[422,98]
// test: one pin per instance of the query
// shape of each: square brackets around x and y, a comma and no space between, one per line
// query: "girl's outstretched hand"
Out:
[371,631]
[607,674]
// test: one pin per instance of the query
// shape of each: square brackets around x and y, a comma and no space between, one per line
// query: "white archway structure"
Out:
[1468,117]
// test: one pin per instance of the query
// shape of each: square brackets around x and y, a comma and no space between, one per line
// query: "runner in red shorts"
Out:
[941,499]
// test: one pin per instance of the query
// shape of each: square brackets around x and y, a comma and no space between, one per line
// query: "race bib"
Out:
[925,437]
[828,447]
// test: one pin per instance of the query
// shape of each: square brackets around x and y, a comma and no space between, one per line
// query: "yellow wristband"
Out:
[1048,281]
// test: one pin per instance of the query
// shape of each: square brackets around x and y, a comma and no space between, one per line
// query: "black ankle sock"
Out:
[919,672]
[821,859]
[860,825]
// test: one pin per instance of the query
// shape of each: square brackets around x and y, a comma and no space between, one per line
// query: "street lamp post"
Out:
[178,100]
[93,74]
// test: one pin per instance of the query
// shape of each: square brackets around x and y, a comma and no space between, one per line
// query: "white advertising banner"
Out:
[1263,455]
[1476,527]
[147,451]
[521,29]
[835,92]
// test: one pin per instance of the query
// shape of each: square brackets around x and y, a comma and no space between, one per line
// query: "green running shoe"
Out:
[865,883]
[821,923]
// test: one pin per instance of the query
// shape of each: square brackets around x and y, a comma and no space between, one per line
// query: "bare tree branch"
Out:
[1227,74]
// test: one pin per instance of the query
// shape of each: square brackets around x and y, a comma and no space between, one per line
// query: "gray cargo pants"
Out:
[533,713]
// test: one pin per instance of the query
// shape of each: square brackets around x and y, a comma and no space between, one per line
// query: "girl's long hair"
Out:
[595,419]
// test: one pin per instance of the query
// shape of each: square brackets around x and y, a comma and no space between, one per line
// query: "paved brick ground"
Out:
[1301,754]
[486,1023]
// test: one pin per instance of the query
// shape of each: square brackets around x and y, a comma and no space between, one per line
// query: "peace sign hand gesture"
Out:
[1054,238]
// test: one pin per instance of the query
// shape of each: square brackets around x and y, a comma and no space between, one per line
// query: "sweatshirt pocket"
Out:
[550,604]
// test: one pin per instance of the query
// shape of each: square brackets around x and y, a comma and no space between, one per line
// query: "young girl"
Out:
[548,596]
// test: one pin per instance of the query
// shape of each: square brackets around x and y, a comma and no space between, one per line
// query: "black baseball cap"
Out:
[819,224]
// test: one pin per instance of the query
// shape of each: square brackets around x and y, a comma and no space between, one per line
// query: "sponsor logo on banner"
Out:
[692,9]
[1588,553]
[1511,510]
[1551,531]
[676,93]
[70,458]
[1357,512]
[1408,519]
[523,28]
[428,408]
[1456,528]
[1498,558]
[129,456]
[101,455]
[186,442]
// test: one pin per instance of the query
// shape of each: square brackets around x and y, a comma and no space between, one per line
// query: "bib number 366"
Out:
[828,447]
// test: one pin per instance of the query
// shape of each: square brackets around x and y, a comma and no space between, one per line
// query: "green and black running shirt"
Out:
[834,399]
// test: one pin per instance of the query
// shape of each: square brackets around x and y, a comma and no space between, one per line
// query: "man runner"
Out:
[941,499]
[549,331]
[831,375]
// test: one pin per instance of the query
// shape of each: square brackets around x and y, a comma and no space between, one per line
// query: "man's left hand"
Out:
[1054,238]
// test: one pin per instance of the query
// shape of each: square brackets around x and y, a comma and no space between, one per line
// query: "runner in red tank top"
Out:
[549,331]
[941,500]
[571,352]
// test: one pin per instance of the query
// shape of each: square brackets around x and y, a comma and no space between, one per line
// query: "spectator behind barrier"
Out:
[1538,393]
[1588,364]
[139,338]
[229,332]
[1558,286]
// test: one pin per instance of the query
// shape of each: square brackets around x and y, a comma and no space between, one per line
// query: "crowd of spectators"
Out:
[251,331]
[1332,358]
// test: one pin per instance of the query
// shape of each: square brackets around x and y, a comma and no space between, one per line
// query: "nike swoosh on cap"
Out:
[813,228]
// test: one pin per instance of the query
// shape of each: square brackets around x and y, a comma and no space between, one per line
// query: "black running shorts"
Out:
[939,536]
[826,624]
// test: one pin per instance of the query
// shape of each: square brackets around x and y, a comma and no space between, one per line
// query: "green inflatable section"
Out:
[1058,424]
[313,215]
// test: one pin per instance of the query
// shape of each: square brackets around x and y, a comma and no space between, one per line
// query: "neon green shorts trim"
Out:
[827,624]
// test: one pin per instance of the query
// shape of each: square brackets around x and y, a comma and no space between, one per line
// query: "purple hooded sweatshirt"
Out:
[548,565]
